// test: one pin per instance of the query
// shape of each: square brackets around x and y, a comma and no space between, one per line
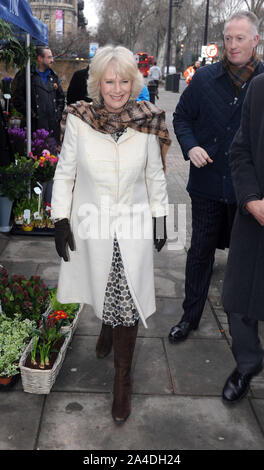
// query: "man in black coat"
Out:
[243,289]
[47,97]
[6,152]
[205,122]
[78,87]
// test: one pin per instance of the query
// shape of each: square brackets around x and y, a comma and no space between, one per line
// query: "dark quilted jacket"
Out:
[208,115]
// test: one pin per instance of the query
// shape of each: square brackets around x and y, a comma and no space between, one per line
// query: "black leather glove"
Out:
[63,236]
[160,237]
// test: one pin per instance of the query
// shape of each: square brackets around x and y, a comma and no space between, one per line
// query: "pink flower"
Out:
[46,153]
[32,156]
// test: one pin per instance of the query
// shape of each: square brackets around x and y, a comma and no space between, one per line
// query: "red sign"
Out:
[211,50]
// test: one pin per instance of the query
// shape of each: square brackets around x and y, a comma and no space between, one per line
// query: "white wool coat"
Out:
[107,188]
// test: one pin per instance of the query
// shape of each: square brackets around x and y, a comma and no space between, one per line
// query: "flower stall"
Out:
[23,182]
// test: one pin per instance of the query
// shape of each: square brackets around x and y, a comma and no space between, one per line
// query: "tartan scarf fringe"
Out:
[142,116]
[240,75]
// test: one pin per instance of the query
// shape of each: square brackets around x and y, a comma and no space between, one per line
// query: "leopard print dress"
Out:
[119,307]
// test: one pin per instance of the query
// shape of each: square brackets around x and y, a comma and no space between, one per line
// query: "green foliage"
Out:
[14,337]
[25,203]
[45,341]
[70,309]
[15,178]
[12,52]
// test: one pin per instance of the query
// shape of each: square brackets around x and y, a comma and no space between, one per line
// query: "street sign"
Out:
[93,48]
[211,50]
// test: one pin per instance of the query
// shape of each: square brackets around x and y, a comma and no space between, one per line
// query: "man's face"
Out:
[240,41]
[47,60]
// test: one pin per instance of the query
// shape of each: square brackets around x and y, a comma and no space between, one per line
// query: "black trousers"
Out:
[211,227]
[246,345]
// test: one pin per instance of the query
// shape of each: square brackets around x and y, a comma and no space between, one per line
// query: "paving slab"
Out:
[19,420]
[83,371]
[83,421]
[169,282]
[169,312]
[199,367]
[22,268]
[258,407]
[33,249]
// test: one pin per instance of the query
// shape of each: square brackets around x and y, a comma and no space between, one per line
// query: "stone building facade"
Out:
[61,16]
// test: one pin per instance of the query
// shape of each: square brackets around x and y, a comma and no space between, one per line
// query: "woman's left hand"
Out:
[159,232]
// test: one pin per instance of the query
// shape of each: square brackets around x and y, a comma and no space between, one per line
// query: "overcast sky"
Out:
[90,13]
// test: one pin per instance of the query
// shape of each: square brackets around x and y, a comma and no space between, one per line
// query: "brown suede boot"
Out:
[105,341]
[124,340]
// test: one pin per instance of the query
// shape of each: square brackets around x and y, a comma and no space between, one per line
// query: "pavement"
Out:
[176,389]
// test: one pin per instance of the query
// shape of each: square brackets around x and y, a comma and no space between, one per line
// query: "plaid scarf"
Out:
[240,75]
[142,116]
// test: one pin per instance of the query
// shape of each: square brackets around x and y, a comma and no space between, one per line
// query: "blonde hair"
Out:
[124,64]
[245,15]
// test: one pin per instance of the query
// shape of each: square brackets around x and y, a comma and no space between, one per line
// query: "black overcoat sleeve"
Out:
[19,93]
[241,158]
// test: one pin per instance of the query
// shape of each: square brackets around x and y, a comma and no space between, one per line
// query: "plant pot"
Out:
[27,228]
[6,383]
[5,380]
[41,381]
[5,212]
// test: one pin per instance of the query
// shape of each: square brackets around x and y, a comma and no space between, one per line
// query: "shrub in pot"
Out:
[15,334]
[28,298]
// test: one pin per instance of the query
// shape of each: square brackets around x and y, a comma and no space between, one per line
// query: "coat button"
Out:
[215,139]
[228,128]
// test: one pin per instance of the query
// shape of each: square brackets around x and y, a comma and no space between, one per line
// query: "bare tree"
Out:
[75,44]
[257,6]
[121,21]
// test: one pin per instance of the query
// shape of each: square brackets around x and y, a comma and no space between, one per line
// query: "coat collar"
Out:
[126,135]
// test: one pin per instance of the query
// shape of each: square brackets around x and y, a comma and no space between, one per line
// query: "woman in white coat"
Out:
[108,185]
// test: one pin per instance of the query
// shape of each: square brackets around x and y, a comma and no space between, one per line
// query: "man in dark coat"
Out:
[47,97]
[6,152]
[205,122]
[243,289]
[78,87]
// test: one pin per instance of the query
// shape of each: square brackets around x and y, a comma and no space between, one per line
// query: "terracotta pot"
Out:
[5,380]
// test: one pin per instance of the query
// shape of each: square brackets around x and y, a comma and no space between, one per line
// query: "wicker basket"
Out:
[41,381]
[72,327]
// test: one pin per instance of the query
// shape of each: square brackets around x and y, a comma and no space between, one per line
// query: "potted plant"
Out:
[15,118]
[45,168]
[29,298]
[41,361]
[15,334]
[14,184]
[58,309]
[24,204]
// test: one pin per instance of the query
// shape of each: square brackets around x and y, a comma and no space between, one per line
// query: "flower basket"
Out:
[40,381]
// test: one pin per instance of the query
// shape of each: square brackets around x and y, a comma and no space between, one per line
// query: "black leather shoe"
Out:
[237,385]
[181,331]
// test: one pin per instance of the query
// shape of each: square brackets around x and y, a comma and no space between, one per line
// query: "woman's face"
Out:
[115,90]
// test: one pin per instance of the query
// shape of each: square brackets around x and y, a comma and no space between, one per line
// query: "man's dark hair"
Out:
[40,50]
